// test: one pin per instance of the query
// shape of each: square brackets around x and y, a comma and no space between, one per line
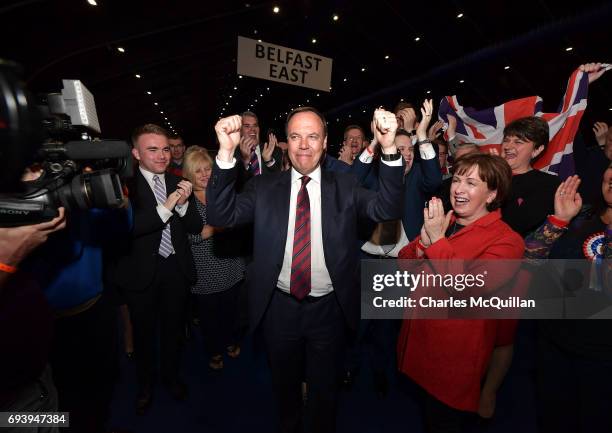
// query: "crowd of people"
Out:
[269,236]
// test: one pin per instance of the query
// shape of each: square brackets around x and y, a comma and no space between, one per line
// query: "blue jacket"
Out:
[421,182]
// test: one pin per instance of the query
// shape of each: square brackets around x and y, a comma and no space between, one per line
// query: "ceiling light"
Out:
[314,40]
[161,112]
[428,92]
[239,76]
[417,39]
[362,69]
[460,15]
[230,96]
[363,111]
[319,95]
[261,95]
[268,89]
[335,17]
[462,81]
[610,108]
[148,93]
[506,67]
[92,2]
[227,103]
[155,103]
[137,75]
[235,88]
[121,49]
[345,80]
[165,118]
[387,57]
[259,40]
[307,100]
[569,48]
[276,9]
[255,100]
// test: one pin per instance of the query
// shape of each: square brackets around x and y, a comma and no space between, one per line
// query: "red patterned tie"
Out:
[300,263]
[255,163]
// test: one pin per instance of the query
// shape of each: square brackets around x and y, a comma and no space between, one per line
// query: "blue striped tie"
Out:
[165,247]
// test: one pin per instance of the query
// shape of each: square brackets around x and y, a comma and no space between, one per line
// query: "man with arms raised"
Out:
[303,282]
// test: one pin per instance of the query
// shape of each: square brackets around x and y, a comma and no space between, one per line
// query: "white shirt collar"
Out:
[314,176]
[149,176]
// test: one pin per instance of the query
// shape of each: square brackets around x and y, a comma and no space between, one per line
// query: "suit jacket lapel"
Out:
[279,199]
[146,195]
[327,207]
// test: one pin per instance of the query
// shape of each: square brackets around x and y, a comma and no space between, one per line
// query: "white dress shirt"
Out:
[321,283]
[162,211]
[260,160]
[320,280]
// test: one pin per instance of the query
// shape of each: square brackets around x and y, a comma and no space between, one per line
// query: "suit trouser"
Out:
[305,342]
[163,301]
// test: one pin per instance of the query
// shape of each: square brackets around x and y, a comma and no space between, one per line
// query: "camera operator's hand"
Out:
[184,188]
[16,243]
[228,134]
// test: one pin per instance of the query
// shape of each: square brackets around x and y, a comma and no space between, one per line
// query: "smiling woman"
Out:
[219,277]
[533,191]
[449,358]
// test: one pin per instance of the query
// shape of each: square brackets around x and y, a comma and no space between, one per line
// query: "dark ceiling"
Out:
[185,53]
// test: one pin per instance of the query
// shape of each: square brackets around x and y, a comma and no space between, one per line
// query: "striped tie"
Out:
[165,247]
[300,264]
[255,163]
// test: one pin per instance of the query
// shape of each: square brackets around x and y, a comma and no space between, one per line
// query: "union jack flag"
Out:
[485,127]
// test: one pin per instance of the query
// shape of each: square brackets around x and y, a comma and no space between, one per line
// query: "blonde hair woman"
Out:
[219,278]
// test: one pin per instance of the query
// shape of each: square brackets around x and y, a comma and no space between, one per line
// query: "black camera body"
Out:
[74,174]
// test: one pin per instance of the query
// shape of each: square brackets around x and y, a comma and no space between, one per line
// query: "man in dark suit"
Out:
[256,158]
[154,267]
[303,281]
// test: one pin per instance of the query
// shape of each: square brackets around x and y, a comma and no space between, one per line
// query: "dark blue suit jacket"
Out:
[421,182]
[265,202]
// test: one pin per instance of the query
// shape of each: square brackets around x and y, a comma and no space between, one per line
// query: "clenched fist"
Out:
[385,126]
[228,134]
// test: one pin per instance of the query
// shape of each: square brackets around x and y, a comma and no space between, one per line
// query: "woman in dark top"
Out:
[219,278]
[532,195]
[575,356]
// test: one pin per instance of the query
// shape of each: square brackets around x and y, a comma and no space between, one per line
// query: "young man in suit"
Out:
[303,281]
[154,266]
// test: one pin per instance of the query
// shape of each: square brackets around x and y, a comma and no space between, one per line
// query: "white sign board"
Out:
[283,65]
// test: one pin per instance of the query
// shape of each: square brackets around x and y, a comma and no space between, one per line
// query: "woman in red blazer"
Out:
[449,358]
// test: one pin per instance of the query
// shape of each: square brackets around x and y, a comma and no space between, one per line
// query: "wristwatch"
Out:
[390,156]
